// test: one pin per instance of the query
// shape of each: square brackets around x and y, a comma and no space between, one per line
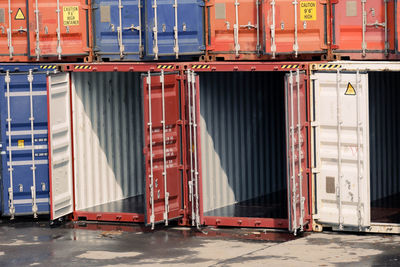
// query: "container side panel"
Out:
[108,137]
[384,114]
[60,145]
[242,136]
[190,28]
[20,152]
[115,41]
[54,34]
[342,145]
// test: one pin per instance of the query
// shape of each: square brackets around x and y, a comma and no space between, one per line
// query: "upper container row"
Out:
[145,30]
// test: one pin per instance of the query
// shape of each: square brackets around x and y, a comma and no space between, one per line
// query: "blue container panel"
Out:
[106,23]
[21,143]
[190,28]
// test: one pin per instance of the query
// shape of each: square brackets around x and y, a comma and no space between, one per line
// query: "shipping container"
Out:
[254,30]
[51,30]
[105,122]
[148,30]
[253,146]
[364,29]
[24,150]
[153,143]
[355,138]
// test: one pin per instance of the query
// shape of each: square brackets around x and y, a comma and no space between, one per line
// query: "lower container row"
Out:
[246,145]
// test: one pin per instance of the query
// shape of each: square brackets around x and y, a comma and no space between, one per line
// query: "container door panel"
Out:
[163,148]
[179,28]
[54,34]
[342,149]
[118,29]
[360,27]
[296,119]
[284,36]
[61,177]
[226,34]
[13,29]
[24,135]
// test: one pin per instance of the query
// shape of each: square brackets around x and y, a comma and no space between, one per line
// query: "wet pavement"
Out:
[90,244]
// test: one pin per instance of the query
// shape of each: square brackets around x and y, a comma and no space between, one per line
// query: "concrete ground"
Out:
[80,244]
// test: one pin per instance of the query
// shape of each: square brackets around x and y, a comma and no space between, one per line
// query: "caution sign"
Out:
[350,90]
[71,15]
[20,15]
[308,10]
[21,143]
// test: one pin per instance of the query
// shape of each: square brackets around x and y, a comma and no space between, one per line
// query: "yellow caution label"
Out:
[350,90]
[308,10]
[71,15]
[20,15]
[21,143]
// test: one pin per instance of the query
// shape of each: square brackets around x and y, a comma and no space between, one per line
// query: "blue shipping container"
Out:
[24,145]
[148,30]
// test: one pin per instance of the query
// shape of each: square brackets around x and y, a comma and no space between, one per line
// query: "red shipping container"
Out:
[253,29]
[363,30]
[44,30]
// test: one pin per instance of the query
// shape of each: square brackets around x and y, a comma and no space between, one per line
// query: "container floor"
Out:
[386,210]
[128,205]
[267,206]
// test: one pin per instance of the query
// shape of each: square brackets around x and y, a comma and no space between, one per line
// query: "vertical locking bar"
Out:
[155,31]
[191,152]
[196,171]
[236,29]
[59,49]
[386,29]
[364,28]
[33,168]
[151,153]
[295,45]
[299,148]
[258,48]
[176,43]
[359,175]
[37,48]
[9,31]
[292,148]
[10,168]
[339,148]
[166,204]
[119,30]
[141,48]
[273,44]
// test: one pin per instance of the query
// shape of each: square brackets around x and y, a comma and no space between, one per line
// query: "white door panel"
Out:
[60,145]
[341,138]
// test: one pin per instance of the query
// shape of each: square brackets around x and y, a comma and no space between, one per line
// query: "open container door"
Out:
[60,151]
[163,147]
[296,136]
[341,159]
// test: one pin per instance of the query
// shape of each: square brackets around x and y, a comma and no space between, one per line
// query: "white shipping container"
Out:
[355,174]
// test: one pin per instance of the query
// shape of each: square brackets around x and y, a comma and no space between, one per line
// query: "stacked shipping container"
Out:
[224,144]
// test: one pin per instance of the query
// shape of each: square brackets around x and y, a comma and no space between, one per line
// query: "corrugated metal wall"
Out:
[108,137]
[384,117]
[242,136]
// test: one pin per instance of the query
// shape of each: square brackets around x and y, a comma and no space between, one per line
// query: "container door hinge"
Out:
[315,170]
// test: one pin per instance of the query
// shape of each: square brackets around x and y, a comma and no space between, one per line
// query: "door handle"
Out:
[20,30]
